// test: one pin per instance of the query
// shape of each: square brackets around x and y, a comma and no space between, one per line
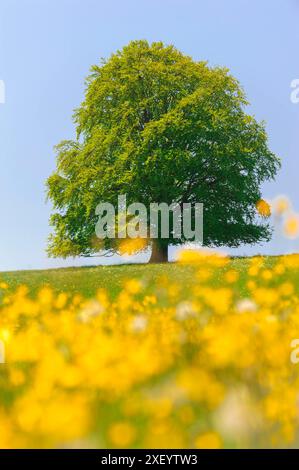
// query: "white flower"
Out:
[139,323]
[246,305]
[184,310]
[92,308]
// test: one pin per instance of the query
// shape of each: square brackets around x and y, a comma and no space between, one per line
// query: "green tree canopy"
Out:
[160,127]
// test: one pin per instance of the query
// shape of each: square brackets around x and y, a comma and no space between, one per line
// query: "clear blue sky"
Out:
[47,48]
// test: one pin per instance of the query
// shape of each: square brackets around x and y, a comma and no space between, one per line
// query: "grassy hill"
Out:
[87,280]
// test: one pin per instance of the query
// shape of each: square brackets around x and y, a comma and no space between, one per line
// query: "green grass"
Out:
[87,280]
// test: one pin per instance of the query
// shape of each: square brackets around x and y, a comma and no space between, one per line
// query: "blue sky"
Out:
[47,48]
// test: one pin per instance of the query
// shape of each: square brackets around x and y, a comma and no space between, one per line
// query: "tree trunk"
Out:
[159,252]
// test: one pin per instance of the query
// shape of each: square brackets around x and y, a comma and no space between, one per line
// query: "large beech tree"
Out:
[160,127]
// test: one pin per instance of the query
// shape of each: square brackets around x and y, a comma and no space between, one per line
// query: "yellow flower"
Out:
[291,226]
[17,377]
[263,208]
[60,301]
[286,289]
[281,204]
[279,269]
[201,386]
[231,276]
[253,271]
[133,286]
[122,434]
[204,257]
[251,285]
[267,274]
[265,296]
[132,246]
[209,440]
[45,296]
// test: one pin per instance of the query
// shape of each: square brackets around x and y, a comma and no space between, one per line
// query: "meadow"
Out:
[87,280]
[188,354]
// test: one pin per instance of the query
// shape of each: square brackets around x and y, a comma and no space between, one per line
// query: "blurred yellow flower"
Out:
[286,289]
[131,246]
[280,205]
[5,335]
[133,286]
[263,208]
[291,226]
[266,274]
[231,276]
[209,440]
[122,434]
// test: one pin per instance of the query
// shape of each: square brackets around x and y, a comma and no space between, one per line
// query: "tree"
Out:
[160,127]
